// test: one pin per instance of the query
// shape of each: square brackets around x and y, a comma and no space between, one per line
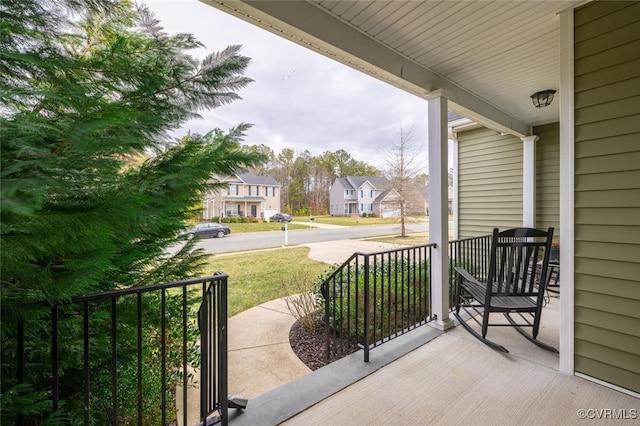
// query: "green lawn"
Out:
[256,277]
[412,239]
[239,228]
[352,221]
[262,276]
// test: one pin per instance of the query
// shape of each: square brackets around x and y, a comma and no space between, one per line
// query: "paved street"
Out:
[257,240]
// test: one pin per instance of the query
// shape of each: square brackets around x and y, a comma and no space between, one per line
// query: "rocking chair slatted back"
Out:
[515,266]
[518,268]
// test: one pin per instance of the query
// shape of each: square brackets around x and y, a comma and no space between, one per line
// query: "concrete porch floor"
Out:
[452,379]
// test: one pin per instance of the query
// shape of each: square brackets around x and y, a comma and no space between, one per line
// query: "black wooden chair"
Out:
[514,286]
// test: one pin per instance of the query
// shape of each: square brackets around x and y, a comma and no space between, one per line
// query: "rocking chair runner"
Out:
[517,275]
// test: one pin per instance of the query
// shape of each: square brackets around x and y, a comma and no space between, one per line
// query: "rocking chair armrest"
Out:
[474,287]
[467,276]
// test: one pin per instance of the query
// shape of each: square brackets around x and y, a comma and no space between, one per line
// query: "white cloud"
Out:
[299,99]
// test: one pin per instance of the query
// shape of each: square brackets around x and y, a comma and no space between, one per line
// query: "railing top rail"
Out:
[132,290]
[470,238]
[343,265]
[391,250]
[143,289]
[373,253]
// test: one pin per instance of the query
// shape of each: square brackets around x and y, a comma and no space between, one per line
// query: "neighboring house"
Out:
[357,195]
[371,195]
[424,191]
[246,195]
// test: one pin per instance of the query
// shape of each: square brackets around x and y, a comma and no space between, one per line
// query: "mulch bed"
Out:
[309,345]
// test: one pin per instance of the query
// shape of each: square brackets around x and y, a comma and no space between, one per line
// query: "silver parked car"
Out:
[280,217]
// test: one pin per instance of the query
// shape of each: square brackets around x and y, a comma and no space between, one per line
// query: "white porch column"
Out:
[567,192]
[529,181]
[438,209]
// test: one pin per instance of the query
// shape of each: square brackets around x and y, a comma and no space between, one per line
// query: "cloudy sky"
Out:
[299,99]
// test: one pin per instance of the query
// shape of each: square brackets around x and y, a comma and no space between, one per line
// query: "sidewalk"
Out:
[260,355]
[319,225]
[332,252]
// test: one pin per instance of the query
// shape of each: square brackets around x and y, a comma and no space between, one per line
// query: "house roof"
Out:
[487,58]
[344,183]
[384,194]
[251,178]
[356,182]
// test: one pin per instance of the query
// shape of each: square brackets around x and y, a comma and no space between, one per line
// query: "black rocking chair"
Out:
[516,282]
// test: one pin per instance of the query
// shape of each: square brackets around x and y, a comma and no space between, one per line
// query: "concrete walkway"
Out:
[319,225]
[260,358]
[332,252]
[260,355]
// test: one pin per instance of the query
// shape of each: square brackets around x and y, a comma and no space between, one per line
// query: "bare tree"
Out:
[403,165]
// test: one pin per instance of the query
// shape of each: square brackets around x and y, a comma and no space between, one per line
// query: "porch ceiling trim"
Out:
[306,24]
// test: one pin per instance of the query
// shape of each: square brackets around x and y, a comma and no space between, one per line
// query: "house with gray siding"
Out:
[372,195]
[358,195]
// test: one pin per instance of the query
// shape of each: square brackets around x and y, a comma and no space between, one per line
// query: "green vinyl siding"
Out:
[489,182]
[548,177]
[607,192]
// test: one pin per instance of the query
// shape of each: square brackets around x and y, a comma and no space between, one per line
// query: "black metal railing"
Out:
[374,297]
[472,254]
[119,357]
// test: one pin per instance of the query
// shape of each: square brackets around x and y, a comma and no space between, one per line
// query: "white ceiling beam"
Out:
[308,25]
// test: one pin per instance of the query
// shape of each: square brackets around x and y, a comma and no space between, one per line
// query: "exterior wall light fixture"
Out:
[543,98]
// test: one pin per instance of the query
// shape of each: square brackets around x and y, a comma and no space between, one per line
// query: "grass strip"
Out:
[260,276]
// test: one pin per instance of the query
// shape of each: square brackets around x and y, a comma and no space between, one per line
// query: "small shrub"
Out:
[303,211]
[215,219]
[302,301]
[399,298]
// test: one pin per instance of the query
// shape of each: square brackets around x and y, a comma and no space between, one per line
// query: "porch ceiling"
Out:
[487,57]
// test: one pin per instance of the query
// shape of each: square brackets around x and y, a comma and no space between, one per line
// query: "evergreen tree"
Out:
[93,190]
